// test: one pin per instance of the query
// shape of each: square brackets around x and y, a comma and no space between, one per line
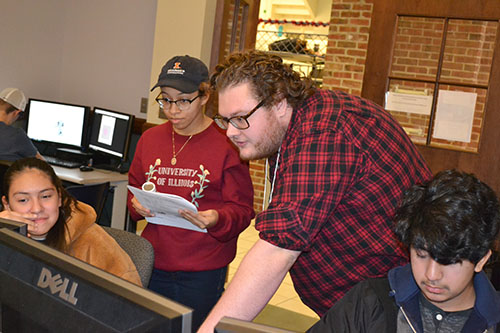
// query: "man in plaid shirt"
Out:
[339,165]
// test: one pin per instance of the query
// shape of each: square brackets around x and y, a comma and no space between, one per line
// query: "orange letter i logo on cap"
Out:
[177,65]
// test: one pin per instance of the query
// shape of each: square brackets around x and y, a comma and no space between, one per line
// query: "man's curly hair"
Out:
[270,79]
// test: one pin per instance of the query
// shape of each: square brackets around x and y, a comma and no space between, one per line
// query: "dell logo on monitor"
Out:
[58,286]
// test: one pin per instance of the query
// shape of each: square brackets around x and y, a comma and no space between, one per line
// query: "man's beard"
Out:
[268,144]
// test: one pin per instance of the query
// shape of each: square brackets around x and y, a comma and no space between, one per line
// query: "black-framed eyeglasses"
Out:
[240,122]
[182,104]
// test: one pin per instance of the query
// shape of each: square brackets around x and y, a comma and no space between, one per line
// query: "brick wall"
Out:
[257,172]
[347,45]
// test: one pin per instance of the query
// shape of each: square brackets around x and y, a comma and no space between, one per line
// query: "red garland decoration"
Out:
[271,21]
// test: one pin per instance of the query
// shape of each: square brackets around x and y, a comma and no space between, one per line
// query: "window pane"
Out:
[468,52]
[417,46]
[415,125]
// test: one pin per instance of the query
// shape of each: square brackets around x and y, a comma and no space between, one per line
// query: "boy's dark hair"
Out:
[453,217]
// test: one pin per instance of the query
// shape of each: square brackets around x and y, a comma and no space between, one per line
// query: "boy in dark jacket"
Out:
[449,225]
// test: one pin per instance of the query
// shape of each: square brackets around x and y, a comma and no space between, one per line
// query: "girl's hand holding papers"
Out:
[204,220]
[140,209]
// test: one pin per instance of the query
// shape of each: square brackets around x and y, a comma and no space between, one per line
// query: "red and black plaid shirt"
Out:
[344,165]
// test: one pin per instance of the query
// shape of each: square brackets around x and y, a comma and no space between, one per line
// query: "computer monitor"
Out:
[110,133]
[42,289]
[59,124]
[231,325]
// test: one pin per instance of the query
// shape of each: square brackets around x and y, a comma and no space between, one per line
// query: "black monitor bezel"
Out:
[19,227]
[128,138]
[86,125]
[97,277]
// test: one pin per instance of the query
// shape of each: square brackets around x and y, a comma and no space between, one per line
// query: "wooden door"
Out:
[235,30]
[449,46]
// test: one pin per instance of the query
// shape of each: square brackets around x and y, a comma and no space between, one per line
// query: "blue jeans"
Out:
[197,290]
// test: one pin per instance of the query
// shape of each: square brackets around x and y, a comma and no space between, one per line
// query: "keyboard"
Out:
[62,163]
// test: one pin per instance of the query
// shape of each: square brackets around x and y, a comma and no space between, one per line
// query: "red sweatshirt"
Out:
[208,173]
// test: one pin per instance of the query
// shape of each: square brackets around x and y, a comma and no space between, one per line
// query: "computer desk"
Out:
[117,180]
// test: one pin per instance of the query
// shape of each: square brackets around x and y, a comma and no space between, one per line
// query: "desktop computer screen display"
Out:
[44,290]
[61,124]
[110,132]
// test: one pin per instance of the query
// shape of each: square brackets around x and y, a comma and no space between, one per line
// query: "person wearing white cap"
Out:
[14,143]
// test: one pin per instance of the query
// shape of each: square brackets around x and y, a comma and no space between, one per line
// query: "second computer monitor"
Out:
[110,132]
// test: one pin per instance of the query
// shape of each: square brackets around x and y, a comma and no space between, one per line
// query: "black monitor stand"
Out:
[73,155]
[107,162]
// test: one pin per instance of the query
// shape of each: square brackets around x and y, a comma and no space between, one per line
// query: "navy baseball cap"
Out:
[183,73]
